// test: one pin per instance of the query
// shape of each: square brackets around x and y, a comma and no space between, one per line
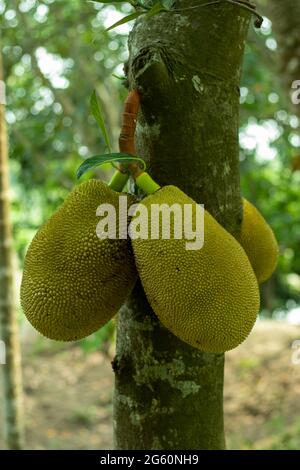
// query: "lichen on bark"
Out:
[187,67]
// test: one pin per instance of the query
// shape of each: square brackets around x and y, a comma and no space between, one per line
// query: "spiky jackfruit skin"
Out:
[209,298]
[259,243]
[74,282]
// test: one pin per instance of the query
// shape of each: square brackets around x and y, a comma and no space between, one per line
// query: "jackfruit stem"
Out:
[118,181]
[146,183]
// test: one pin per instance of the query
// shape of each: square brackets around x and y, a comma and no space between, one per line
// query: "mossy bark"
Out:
[187,66]
[11,370]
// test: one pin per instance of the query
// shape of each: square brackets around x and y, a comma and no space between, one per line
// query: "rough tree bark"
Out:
[285,17]
[187,66]
[11,371]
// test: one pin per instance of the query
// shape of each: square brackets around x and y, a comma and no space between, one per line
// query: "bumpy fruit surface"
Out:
[259,242]
[74,282]
[209,298]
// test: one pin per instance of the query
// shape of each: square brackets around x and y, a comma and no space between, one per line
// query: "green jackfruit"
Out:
[259,242]
[209,298]
[74,282]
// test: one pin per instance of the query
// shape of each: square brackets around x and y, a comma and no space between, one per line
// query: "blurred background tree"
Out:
[49,83]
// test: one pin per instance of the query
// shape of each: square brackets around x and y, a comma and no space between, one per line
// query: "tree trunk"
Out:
[285,17]
[11,371]
[187,66]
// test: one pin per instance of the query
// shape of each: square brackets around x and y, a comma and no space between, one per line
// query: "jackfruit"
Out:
[74,282]
[259,243]
[209,297]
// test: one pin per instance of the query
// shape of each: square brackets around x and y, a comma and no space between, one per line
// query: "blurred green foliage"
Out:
[56,53]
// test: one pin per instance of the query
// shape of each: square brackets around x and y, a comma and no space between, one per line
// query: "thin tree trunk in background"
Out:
[11,371]
[187,67]
[285,17]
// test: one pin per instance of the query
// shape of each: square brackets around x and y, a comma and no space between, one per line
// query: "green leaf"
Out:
[126,19]
[98,160]
[98,115]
